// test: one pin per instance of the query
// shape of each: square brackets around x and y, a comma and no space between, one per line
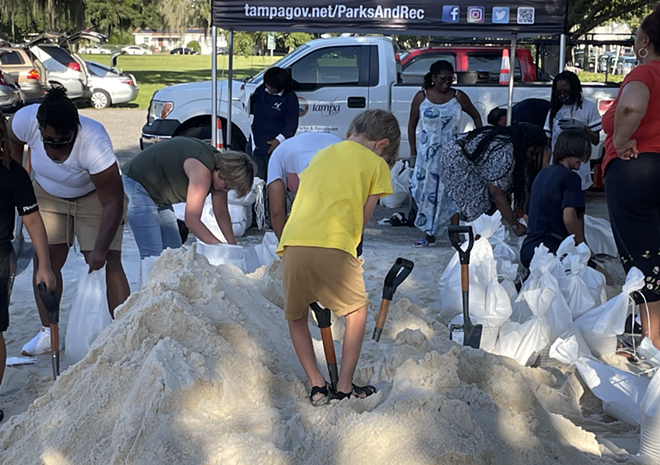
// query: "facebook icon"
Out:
[450,13]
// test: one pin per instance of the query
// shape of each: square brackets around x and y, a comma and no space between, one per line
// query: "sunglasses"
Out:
[57,144]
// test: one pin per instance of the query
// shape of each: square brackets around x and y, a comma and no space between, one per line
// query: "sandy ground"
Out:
[383,244]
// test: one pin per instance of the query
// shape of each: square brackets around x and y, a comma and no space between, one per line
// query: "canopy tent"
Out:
[461,18]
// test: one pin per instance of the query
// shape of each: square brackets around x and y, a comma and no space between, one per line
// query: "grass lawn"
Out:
[153,72]
[586,76]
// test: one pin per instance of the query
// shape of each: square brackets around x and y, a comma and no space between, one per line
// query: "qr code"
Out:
[526,15]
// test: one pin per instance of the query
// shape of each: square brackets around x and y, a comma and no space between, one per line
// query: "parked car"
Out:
[26,69]
[137,50]
[63,67]
[110,86]
[472,64]
[11,96]
[626,64]
[183,51]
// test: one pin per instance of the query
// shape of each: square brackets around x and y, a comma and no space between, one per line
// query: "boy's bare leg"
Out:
[353,336]
[651,328]
[302,344]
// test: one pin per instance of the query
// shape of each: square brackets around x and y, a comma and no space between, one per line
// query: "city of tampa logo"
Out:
[326,108]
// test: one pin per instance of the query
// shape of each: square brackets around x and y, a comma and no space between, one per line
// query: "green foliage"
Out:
[194,45]
[293,40]
[120,37]
[586,76]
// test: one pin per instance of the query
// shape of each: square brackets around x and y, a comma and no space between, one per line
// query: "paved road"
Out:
[124,127]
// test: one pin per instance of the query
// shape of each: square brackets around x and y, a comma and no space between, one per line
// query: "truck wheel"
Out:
[101,99]
[204,133]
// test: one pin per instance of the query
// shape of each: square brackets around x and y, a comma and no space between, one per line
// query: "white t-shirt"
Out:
[294,154]
[590,116]
[92,153]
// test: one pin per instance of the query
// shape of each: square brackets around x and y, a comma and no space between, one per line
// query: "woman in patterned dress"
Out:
[483,168]
[435,115]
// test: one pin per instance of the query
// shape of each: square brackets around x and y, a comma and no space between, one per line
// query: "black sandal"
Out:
[319,390]
[363,391]
[342,395]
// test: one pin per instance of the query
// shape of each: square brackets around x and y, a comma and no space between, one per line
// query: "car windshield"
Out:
[283,63]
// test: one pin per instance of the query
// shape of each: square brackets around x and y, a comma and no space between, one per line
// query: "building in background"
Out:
[162,40]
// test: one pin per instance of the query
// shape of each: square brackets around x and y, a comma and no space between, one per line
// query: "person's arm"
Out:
[574,224]
[111,195]
[413,121]
[505,209]
[630,110]
[369,207]
[221,213]
[469,108]
[16,146]
[291,114]
[199,186]
[37,231]
[277,206]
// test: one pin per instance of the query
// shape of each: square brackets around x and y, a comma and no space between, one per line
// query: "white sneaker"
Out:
[39,344]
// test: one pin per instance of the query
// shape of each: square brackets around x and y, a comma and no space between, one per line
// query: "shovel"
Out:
[53,306]
[397,274]
[323,319]
[467,333]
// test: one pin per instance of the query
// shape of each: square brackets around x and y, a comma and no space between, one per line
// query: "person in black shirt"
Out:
[557,202]
[16,193]
[275,110]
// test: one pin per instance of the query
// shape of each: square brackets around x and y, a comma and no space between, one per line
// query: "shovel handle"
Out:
[380,321]
[328,345]
[397,274]
[454,231]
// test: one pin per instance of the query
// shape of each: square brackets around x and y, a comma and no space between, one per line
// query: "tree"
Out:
[585,15]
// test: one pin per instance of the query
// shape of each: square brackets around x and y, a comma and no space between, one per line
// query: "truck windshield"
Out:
[283,63]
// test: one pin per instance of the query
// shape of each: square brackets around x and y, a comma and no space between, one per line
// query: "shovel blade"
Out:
[467,335]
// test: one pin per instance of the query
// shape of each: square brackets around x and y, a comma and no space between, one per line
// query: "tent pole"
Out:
[509,112]
[214,85]
[562,52]
[230,81]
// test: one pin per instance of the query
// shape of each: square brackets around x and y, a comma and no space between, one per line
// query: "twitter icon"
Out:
[500,15]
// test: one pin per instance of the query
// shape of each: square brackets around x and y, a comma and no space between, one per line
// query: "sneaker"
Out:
[423,243]
[39,344]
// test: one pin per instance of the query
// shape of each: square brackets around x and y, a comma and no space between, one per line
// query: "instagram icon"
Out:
[475,14]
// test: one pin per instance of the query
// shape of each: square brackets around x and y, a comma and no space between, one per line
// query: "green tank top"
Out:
[159,168]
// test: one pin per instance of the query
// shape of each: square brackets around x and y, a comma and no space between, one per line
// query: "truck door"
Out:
[332,85]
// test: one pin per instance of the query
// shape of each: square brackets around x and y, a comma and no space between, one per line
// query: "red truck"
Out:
[472,64]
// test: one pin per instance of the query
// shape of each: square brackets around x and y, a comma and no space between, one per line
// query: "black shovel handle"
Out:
[397,274]
[50,301]
[454,231]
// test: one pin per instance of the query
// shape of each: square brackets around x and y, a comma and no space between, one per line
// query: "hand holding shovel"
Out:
[397,274]
[470,334]
[52,304]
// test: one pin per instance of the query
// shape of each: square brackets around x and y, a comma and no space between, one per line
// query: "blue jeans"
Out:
[154,227]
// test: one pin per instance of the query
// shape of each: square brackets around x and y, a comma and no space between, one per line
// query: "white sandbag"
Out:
[401,175]
[599,236]
[543,270]
[146,267]
[620,391]
[647,350]
[565,350]
[649,446]
[524,342]
[575,291]
[609,319]
[89,314]
[497,307]
[488,333]
[578,258]
[600,345]
[267,250]
[222,254]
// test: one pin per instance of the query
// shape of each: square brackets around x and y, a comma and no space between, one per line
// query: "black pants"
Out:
[632,188]
[5,279]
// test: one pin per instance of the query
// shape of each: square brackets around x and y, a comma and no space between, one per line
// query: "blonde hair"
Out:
[237,169]
[376,125]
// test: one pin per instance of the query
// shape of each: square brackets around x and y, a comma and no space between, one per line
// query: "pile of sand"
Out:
[199,369]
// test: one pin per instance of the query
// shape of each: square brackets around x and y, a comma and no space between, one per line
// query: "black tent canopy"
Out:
[456,18]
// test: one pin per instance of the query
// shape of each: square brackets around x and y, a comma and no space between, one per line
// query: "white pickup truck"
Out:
[335,79]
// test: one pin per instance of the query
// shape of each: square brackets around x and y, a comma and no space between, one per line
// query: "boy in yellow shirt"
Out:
[337,195]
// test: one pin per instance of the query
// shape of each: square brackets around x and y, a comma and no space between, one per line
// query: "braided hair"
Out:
[5,154]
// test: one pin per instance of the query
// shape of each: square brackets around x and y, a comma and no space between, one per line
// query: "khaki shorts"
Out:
[79,217]
[329,276]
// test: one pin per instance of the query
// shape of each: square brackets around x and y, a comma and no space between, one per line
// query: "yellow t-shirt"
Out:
[328,210]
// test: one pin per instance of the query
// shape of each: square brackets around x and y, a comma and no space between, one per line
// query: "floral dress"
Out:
[467,183]
[438,125]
